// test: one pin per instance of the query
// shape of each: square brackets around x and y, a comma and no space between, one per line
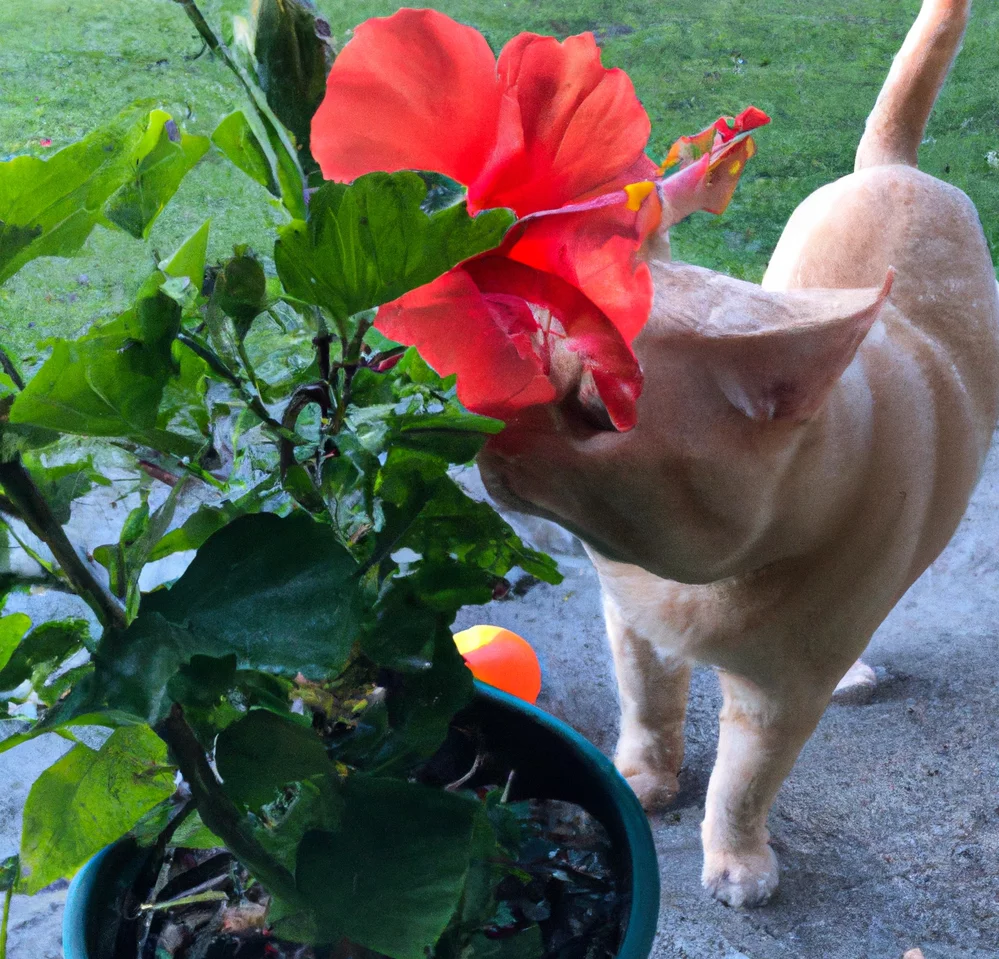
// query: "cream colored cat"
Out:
[804,450]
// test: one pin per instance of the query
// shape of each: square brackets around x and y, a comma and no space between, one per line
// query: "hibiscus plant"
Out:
[270,415]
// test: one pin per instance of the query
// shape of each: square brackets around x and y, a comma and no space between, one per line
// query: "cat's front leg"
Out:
[760,737]
[653,687]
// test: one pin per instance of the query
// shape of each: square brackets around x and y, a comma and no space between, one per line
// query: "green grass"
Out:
[815,67]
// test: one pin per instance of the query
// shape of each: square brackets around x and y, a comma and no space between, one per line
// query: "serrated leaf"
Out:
[90,798]
[266,582]
[453,525]
[368,243]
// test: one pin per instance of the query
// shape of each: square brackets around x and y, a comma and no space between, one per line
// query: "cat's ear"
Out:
[776,354]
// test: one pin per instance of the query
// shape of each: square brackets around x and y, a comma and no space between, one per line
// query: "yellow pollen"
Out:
[637,192]
[735,167]
[750,148]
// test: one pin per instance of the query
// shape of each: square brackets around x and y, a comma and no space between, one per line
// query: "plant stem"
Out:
[252,400]
[7,365]
[8,895]
[32,508]
[219,813]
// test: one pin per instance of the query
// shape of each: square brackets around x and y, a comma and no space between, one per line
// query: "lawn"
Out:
[67,65]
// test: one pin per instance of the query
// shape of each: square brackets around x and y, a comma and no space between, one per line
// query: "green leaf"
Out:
[183,409]
[89,799]
[303,806]
[110,382]
[113,557]
[62,484]
[141,532]
[287,169]
[7,385]
[10,872]
[192,833]
[433,682]
[207,520]
[526,944]
[293,59]
[204,687]
[237,140]
[392,876]
[282,595]
[12,629]
[453,435]
[164,156]
[48,207]
[370,242]
[41,651]
[189,260]
[278,592]
[452,524]
[263,752]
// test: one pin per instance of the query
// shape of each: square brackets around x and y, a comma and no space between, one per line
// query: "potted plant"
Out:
[345,790]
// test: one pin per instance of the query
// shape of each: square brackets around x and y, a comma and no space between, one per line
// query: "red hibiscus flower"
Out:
[550,133]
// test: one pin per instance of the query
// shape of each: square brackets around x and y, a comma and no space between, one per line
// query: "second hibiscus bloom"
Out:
[550,133]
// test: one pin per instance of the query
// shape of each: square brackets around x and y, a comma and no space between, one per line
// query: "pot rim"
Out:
[643,913]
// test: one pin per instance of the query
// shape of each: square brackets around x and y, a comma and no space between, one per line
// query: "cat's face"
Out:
[731,374]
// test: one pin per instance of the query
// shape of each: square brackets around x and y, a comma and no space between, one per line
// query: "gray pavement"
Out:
[887,829]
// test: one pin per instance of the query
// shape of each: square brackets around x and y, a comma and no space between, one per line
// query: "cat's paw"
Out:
[742,881]
[655,789]
[857,686]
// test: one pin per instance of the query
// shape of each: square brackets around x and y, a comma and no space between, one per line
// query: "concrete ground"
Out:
[887,829]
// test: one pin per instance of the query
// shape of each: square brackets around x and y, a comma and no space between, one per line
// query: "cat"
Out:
[804,450]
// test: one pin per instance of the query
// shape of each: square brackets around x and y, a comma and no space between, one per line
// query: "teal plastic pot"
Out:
[552,761]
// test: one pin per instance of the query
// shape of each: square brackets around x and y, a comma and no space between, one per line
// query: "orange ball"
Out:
[501,658]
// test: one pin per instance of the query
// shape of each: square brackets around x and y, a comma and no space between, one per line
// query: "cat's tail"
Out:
[895,127]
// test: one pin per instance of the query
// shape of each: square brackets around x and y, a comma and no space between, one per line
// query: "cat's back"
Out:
[945,300]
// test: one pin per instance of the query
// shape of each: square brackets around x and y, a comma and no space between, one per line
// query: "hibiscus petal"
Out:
[688,150]
[730,127]
[708,184]
[485,340]
[567,126]
[412,91]
[597,251]
[588,332]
